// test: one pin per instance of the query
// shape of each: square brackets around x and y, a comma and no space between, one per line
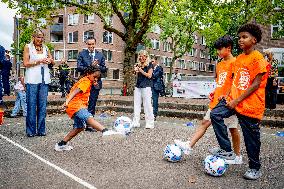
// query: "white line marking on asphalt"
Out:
[77,179]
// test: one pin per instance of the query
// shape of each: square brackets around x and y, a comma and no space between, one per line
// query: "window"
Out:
[202,54]
[274,30]
[202,66]
[168,61]
[115,74]
[156,29]
[88,34]
[203,40]
[167,46]
[107,37]
[192,52]
[108,20]
[73,19]
[195,37]
[72,54]
[155,44]
[210,67]
[89,19]
[189,64]
[181,63]
[195,66]
[73,37]
[107,54]
[58,55]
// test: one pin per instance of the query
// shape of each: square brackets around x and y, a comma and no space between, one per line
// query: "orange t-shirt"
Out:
[223,80]
[245,69]
[81,99]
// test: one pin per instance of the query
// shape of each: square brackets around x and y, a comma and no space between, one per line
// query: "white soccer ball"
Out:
[123,125]
[215,165]
[173,153]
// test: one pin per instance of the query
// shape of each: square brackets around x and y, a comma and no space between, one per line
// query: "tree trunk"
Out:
[128,70]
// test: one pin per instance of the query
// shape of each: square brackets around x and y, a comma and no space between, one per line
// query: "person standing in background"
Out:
[37,59]
[91,57]
[6,69]
[63,78]
[2,59]
[21,98]
[157,87]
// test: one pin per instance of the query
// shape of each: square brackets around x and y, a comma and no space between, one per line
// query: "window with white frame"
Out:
[88,19]
[73,37]
[155,44]
[107,54]
[274,30]
[168,61]
[192,52]
[115,74]
[58,55]
[202,54]
[195,66]
[88,34]
[107,37]
[181,63]
[156,29]
[202,66]
[109,19]
[195,37]
[189,64]
[73,19]
[167,46]
[203,42]
[72,54]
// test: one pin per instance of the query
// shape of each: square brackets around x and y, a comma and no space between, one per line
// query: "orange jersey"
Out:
[246,68]
[223,80]
[81,99]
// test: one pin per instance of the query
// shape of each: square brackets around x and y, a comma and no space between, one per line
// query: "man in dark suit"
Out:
[2,59]
[158,85]
[6,69]
[86,58]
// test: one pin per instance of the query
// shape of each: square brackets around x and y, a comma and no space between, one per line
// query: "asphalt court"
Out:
[132,162]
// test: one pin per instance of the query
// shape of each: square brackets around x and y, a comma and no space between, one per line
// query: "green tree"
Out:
[134,15]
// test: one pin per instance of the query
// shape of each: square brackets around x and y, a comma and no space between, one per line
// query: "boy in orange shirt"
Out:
[224,46]
[77,108]
[246,100]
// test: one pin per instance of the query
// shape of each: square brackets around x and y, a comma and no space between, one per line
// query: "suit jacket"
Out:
[158,83]
[85,60]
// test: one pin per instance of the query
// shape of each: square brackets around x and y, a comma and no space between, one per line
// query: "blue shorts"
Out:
[80,118]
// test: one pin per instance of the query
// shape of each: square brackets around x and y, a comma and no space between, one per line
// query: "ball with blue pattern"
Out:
[173,153]
[123,125]
[215,166]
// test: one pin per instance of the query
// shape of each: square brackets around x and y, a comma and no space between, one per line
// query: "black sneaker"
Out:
[90,129]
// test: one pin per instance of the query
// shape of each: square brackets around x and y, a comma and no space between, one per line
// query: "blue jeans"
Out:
[250,129]
[94,94]
[36,108]
[155,96]
[80,118]
[20,102]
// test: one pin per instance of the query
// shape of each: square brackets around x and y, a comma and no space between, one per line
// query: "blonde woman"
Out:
[142,92]
[36,59]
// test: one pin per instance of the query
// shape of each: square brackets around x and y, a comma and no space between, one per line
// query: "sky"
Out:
[6,26]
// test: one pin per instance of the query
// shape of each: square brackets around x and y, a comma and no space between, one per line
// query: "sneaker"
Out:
[90,129]
[223,154]
[184,146]
[136,126]
[237,161]
[111,132]
[252,174]
[62,148]
[149,127]
[214,150]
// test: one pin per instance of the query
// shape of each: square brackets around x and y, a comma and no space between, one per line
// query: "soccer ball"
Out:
[173,153]
[123,125]
[215,166]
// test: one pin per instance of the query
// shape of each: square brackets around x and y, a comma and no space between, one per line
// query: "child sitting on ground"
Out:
[77,108]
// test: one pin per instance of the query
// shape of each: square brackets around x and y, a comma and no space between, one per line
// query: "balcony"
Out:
[56,29]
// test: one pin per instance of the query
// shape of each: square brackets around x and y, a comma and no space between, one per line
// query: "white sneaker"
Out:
[111,132]
[136,125]
[184,146]
[62,148]
[238,160]
[149,127]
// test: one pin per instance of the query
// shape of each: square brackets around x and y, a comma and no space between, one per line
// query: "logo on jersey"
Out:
[222,79]
[242,79]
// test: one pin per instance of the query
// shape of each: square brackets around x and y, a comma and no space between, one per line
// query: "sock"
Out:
[104,130]
[61,143]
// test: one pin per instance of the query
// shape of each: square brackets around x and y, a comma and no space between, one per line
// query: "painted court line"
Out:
[77,179]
